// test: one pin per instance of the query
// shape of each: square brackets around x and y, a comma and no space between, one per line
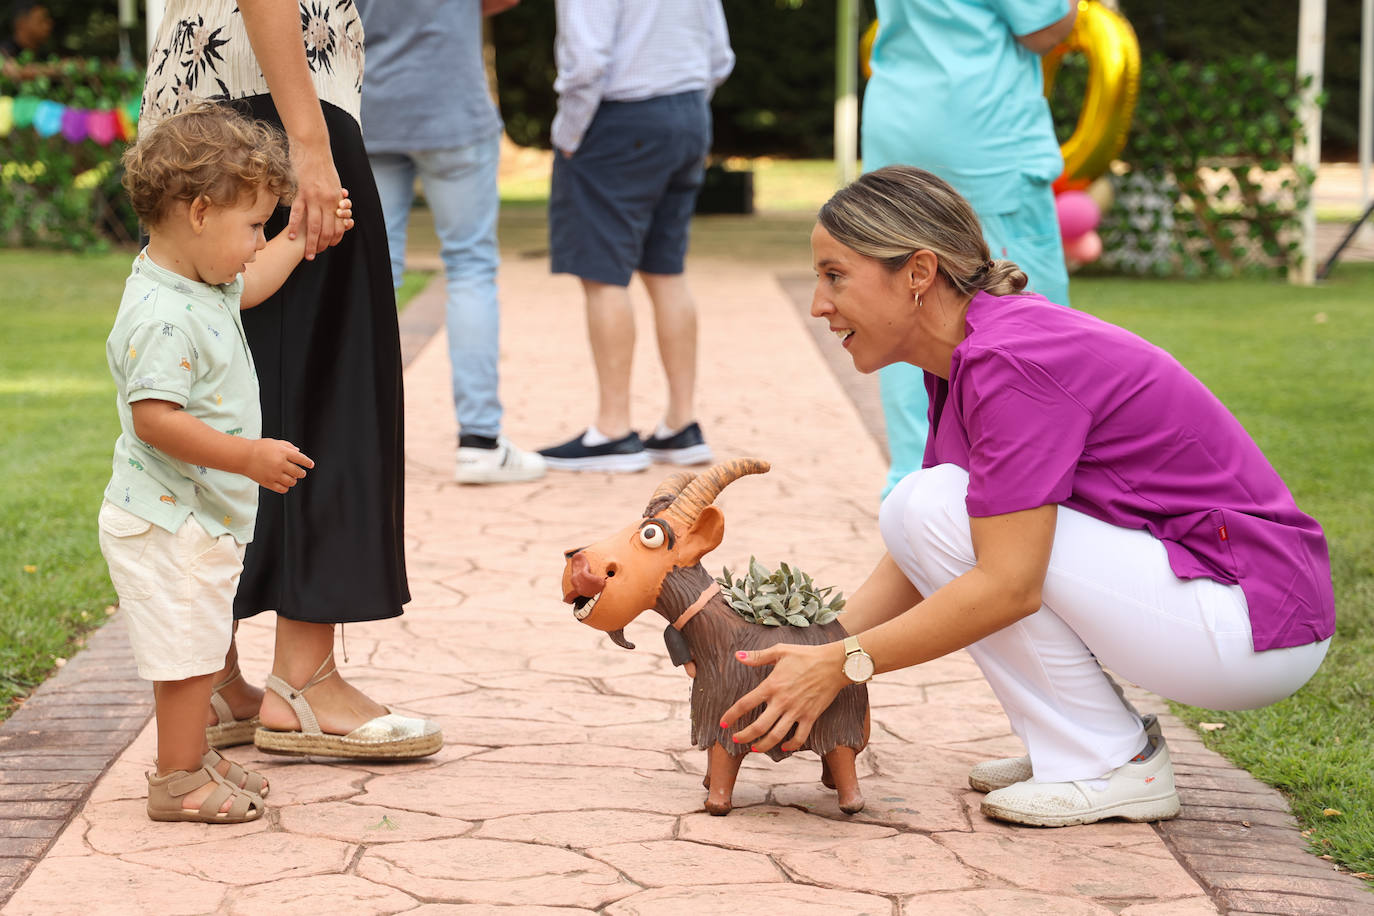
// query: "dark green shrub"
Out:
[1209,186]
[1214,33]
[57,193]
[778,100]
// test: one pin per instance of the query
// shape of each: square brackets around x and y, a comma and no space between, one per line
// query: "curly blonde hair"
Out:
[210,151]
[893,212]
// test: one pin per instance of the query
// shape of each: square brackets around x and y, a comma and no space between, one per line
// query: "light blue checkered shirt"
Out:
[628,50]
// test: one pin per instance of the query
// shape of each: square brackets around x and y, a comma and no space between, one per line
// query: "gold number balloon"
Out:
[866,48]
[1109,43]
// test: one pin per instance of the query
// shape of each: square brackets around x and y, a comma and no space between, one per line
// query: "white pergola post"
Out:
[154,10]
[1366,107]
[847,90]
[1311,43]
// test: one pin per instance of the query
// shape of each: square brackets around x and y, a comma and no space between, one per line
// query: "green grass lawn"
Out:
[58,423]
[1292,363]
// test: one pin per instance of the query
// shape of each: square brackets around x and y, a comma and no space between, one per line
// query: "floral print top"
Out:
[202,52]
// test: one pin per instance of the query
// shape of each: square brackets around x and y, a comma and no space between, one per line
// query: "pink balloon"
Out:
[1078,213]
[1085,249]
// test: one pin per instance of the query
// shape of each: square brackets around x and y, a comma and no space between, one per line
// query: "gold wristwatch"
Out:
[858,664]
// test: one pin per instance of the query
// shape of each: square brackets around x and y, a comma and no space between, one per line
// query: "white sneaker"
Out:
[504,464]
[991,775]
[1139,790]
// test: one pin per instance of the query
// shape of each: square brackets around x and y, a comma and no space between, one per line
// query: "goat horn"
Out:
[706,486]
[668,490]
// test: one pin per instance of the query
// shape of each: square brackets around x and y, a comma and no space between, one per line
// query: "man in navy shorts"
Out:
[631,136]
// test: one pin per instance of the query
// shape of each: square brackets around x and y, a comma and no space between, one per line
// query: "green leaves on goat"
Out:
[786,597]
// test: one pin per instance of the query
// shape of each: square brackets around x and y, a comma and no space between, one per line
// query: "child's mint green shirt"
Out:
[181,341]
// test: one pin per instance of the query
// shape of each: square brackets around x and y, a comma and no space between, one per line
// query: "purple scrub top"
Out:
[1045,404]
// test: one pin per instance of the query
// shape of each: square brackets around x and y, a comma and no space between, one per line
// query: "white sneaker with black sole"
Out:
[506,463]
[1142,789]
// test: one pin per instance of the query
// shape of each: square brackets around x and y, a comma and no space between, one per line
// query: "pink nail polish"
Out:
[734,739]
[741,655]
[724,724]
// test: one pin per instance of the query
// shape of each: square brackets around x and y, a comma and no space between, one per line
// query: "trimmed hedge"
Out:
[1209,187]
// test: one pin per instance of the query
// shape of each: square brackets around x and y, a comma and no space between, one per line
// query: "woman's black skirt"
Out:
[328,358]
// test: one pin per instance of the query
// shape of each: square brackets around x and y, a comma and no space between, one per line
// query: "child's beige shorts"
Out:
[176,590]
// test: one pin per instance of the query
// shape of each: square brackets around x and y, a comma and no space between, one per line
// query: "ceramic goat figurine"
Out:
[656,563]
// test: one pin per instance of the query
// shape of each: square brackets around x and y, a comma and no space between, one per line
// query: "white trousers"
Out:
[1110,599]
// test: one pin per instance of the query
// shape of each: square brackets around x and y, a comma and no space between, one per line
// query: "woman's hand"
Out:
[802,685]
[315,211]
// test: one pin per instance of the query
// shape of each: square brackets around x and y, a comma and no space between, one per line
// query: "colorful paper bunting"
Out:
[47,117]
[24,107]
[104,127]
[74,125]
[50,118]
[127,125]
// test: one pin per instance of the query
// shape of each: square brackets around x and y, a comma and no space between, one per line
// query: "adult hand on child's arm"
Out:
[266,273]
[274,31]
[270,463]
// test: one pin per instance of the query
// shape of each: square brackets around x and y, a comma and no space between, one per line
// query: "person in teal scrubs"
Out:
[956,88]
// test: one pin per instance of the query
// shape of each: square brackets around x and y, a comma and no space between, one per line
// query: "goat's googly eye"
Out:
[652,536]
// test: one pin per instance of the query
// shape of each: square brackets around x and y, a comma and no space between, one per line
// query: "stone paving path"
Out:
[567,784]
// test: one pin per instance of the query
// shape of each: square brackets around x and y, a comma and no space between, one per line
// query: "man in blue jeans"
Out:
[427,112]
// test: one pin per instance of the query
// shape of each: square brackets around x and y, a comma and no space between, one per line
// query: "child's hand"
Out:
[275,464]
[345,209]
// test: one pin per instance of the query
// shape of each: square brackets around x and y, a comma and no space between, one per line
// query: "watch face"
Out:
[858,667]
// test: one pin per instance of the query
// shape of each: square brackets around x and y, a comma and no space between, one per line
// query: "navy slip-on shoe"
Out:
[619,456]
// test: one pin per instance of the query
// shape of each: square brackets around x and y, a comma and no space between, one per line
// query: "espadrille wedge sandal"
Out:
[388,737]
[166,792]
[235,775]
[228,731]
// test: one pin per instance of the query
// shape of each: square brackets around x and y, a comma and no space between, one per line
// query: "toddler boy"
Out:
[182,499]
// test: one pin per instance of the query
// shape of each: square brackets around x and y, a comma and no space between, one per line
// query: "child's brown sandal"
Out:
[166,792]
[236,775]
